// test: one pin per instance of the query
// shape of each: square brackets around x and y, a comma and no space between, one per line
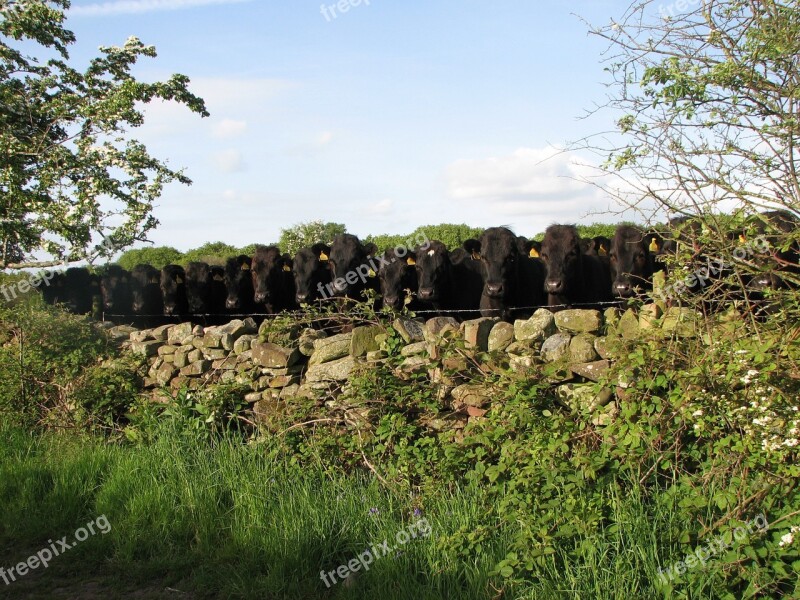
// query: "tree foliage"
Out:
[709,98]
[74,184]
[211,252]
[307,234]
[449,234]
[157,256]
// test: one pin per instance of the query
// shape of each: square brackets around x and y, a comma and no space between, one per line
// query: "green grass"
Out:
[224,521]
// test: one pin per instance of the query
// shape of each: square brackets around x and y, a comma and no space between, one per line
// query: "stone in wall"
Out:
[579,321]
[540,326]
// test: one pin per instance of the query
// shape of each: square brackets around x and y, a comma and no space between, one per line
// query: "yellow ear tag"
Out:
[371,273]
[323,257]
[179,280]
[410,262]
[653,245]
[476,256]
[218,277]
[245,267]
[742,239]
[602,251]
[287,268]
[533,253]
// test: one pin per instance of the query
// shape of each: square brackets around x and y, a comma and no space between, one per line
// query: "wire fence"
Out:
[300,314]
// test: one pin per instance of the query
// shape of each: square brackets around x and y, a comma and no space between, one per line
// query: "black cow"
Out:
[273,284]
[115,286]
[79,290]
[239,285]
[631,261]
[773,228]
[353,269]
[398,280]
[53,288]
[446,282]
[570,276]
[173,291]
[198,288]
[512,280]
[146,293]
[312,275]
[219,294]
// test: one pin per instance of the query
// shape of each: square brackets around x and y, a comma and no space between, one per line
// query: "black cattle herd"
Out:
[499,274]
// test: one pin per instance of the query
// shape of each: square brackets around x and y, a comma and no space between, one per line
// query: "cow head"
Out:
[145,284]
[173,290]
[198,287]
[397,274]
[771,255]
[561,255]
[498,251]
[115,288]
[238,282]
[268,272]
[434,271]
[351,272]
[311,273]
[630,261]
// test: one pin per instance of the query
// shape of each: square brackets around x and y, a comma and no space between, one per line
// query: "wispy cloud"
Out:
[128,7]
[228,128]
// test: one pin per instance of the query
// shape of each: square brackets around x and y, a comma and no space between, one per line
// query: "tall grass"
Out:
[224,520]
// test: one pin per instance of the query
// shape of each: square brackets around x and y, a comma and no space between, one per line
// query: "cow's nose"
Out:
[232,303]
[301,298]
[553,286]
[425,293]
[260,297]
[622,288]
[391,301]
[494,289]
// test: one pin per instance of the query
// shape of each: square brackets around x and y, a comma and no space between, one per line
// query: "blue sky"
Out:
[385,117]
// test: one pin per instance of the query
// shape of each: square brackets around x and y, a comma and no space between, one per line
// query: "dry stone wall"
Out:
[277,365]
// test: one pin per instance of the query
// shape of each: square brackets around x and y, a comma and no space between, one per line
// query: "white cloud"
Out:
[531,184]
[324,138]
[229,161]
[381,208]
[127,7]
[228,128]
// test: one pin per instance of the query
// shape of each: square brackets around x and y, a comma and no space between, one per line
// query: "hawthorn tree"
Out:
[307,234]
[74,185]
[706,95]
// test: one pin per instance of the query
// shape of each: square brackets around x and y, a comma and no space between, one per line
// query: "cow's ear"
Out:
[153,280]
[371,249]
[411,258]
[602,251]
[323,251]
[286,263]
[654,242]
[179,279]
[218,277]
[533,252]
[372,273]
[473,247]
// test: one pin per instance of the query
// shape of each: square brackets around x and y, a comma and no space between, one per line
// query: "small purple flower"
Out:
[417,512]
[373,511]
